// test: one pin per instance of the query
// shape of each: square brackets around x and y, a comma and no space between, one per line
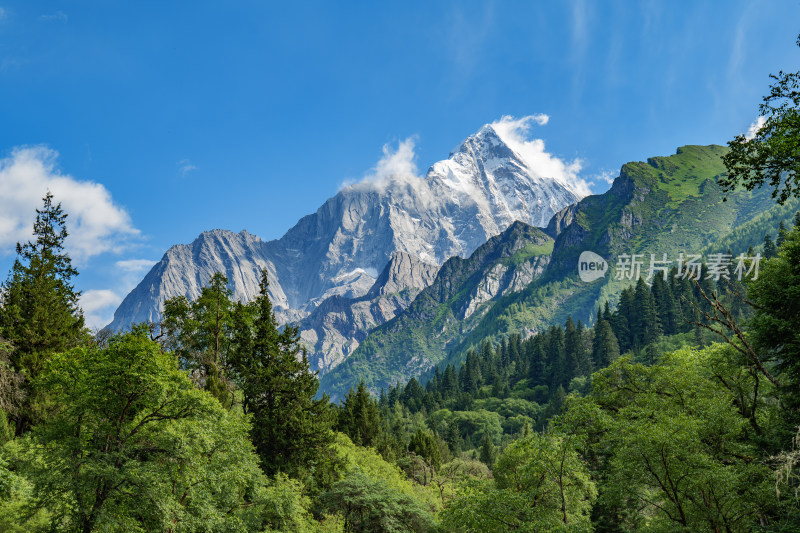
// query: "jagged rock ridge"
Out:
[336,328]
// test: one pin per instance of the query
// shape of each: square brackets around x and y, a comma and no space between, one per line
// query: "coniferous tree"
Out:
[449,383]
[555,405]
[665,305]
[582,351]
[359,417]
[537,368]
[646,325]
[607,312]
[436,380]
[426,446]
[781,235]
[605,348]
[488,451]
[290,426]
[770,250]
[683,296]
[40,314]
[622,319]
[571,348]
[557,364]
[453,439]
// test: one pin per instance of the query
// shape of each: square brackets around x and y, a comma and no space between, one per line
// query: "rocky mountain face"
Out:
[338,325]
[339,250]
[186,268]
[463,291]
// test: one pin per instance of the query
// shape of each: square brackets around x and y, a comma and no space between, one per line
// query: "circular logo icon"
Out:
[591,266]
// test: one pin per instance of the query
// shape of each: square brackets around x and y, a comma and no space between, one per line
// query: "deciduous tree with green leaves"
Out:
[134,446]
[672,446]
[775,326]
[540,484]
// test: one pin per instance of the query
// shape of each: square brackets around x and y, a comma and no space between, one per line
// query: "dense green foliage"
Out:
[134,445]
[199,334]
[775,326]
[672,447]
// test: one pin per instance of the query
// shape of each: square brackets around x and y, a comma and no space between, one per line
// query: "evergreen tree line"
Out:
[546,366]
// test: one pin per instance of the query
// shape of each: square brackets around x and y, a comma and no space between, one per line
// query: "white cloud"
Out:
[95,223]
[514,133]
[755,126]
[135,265]
[608,176]
[58,16]
[98,307]
[395,165]
[185,166]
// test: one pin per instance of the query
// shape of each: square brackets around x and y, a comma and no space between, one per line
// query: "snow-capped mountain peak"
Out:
[507,178]
[494,178]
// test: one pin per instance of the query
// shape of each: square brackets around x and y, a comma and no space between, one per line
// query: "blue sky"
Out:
[158,120]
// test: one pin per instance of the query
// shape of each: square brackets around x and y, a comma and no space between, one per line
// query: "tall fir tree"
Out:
[582,351]
[607,311]
[290,426]
[770,250]
[572,343]
[646,324]
[537,366]
[40,315]
[359,417]
[781,235]
[557,363]
[605,348]
[488,451]
[622,320]
[665,305]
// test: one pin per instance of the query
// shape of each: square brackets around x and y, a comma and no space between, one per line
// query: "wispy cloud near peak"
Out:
[515,133]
